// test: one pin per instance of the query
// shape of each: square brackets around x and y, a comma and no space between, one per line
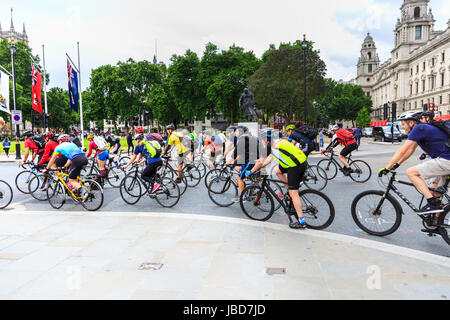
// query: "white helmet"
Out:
[335,128]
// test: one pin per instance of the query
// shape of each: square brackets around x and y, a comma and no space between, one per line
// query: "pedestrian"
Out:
[6,146]
[322,142]
[130,142]
[358,135]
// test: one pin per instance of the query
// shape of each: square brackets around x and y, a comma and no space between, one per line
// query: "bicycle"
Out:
[257,202]
[114,170]
[315,177]
[360,170]
[190,175]
[6,194]
[23,178]
[378,213]
[58,191]
[133,188]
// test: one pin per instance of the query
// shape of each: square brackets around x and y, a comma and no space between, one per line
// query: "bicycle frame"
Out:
[64,175]
[332,159]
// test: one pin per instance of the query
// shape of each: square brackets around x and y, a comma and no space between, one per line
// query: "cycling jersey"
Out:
[431,139]
[50,147]
[287,154]
[69,150]
[175,140]
[92,146]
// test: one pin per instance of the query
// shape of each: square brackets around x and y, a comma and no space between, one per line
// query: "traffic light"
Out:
[146,118]
[135,121]
[432,107]
[385,111]
[37,121]
[47,118]
[394,111]
[425,107]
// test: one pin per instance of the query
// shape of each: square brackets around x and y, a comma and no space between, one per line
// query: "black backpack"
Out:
[308,132]
[76,141]
[443,126]
[39,141]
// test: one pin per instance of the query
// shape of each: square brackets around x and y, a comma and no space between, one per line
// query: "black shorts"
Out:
[40,155]
[151,170]
[76,166]
[61,161]
[349,149]
[295,175]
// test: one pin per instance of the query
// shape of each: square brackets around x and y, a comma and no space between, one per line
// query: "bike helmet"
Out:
[335,128]
[170,127]
[139,130]
[154,137]
[90,137]
[411,115]
[49,135]
[242,129]
[231,128]
[107,133]
[63,138]
[290,127]
[139,137]
[428,114]
[28,134]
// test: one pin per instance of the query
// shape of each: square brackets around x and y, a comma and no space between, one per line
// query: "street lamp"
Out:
[305,46]
[13,50]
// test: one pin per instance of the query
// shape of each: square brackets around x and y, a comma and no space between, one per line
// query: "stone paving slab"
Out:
[203,258]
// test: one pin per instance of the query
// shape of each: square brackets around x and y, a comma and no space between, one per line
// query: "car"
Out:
[367,132]
[404,135]
[384,134]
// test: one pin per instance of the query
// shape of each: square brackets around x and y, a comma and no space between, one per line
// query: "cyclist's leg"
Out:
[345,152]
[116,153]
[75,170]
[102,157]
[281,174]
[149,174]
[295,176]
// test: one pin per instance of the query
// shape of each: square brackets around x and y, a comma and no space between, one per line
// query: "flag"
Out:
[36,89]
[74,95]
[4,92]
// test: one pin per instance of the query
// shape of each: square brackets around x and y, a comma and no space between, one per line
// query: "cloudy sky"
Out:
[111,30]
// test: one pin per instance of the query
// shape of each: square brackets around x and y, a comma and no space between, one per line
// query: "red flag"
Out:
[37,88]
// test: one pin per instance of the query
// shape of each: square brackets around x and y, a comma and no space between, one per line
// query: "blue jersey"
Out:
[69,150]
[144,152]
[432,140]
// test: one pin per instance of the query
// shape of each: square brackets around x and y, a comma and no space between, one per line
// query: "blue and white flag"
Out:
[74,93]
[4,92]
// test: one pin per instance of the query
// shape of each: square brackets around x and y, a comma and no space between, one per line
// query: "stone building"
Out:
[418,72]
[12,34]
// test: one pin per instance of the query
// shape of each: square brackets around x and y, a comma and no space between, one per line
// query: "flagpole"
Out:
[45,90]
[81,99]
[5,71]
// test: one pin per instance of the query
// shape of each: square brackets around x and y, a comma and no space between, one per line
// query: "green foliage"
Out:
[363,119]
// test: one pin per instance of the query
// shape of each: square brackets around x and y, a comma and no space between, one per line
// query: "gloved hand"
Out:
[248,173]
[386,171]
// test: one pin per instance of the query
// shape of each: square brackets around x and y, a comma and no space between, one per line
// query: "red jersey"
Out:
[48,153]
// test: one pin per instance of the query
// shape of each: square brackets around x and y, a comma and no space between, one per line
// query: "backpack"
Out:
[308,132]
[444,126]
[101,143]
[76,141]
[345,136]
[115,139]
[153,148]
[39,141]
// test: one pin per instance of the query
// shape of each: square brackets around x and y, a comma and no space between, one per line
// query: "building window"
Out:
[417,87]
[432,83]
[440,100]
[423,85]
[416,12]
[370,68]
[443,56]
[442,79]
[410,90]
[418,32]
[369,55]
[423,66]
[417,69]
[411,71]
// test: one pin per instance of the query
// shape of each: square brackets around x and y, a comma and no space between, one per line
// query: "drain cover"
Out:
[275,271]
[150,266]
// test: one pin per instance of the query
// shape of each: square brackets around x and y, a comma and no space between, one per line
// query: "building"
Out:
[12,34]
[418,72]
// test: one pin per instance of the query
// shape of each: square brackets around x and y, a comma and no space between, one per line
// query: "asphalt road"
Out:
[341,191]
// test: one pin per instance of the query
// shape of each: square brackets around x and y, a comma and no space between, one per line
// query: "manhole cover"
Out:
[275,271]
[150,266]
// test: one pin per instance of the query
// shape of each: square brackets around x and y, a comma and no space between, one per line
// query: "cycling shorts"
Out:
[116,148]
[349,149]
[246,168]
[295,175]
[61,161]
[77,165]
[103,156]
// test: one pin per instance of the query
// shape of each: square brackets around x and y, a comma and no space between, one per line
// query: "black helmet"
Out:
[429,114]
[242,129]
[411,115]
[232,128]
[28,134]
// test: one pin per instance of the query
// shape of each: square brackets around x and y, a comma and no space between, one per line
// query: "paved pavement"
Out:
[97,256]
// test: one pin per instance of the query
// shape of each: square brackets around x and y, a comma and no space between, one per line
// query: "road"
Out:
[341,191]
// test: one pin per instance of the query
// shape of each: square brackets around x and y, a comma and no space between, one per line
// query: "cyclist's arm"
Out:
[404,153]
[133,158]
[52,160]
[46,156]
[262,163]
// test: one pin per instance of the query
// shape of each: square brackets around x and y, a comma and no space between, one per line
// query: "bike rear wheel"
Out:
[318,209]
[361,171]
[193,176]
[38,188]
[444,222]
[315,178]
[115,176]
[6,194]
[56,195]
[329,167]
[379,223]
[23,179]
[257,204]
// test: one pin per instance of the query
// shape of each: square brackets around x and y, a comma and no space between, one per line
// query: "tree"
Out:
[62,115]
[278,84]
[363,119]
[163,106]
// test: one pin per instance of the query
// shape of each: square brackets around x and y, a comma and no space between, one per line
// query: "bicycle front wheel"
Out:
[222,191]
[361,171]
[315,178]
[329,167]
[23,179]
[38,188]
[6,194]
[131,189]
[382,222]
[193,176]
[95,197]
[318,209]
[115,176]
[257,203]
[56,195]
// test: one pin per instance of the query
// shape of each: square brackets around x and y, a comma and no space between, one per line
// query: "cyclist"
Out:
[31,145]
[292,162]
[50,147]
[307,145]
[152,151]
[213,146]
[75,163]
[343,137]
[434,142]
[114,144]
[175,139]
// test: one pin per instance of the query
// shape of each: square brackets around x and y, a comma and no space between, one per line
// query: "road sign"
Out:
[16,117]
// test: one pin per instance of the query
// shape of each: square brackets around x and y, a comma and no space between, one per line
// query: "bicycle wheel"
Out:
[279,191]
[131,189]
[169,193]
[257,203]
[444,222]
[222,191]
[23,179]
[202,168]
[95,197]
[167,171]
[361,171]
[124,161]
[318,209]
[56,195]
[379,223]
[6,194]
[315,178]
[38,188]
[193,176]
[211,175]
[329,167]
[115,176]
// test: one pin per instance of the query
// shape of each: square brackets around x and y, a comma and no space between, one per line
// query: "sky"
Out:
[111,30]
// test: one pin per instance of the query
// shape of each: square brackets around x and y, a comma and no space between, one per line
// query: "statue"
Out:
[247,101]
